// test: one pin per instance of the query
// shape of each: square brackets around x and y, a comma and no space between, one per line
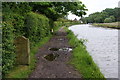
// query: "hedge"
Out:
[8,48]
[32,25]
[36,26]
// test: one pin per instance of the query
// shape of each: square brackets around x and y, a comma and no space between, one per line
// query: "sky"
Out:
[96,6]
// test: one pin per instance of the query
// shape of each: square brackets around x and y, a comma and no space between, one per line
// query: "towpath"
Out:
[53,58]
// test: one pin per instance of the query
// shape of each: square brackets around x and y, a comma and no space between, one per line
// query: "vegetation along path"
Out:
[53,58]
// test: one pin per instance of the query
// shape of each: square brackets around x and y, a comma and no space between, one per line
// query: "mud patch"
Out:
[53,49]
[51,57]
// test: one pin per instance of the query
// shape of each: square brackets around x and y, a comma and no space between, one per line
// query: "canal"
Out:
[102,44]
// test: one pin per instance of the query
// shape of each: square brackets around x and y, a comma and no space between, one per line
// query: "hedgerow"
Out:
[36,26]
[32,25]
[8,48]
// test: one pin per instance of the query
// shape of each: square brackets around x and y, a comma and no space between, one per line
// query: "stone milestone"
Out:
[22,50]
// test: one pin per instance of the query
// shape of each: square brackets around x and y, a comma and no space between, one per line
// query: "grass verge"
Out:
[81,59]
[24,71]
[115,25]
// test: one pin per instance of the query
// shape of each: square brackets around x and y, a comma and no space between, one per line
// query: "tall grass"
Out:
[81,59]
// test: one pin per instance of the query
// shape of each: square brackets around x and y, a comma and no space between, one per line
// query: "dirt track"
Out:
[58,68]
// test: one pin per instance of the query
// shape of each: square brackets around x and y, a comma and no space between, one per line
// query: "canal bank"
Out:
[56,59]
[52,59]
[81,59]
[102,44]
[114,25]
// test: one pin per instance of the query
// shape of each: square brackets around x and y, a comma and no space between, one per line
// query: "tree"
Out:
[99,17]
[83,20]
[55,10]
[108,20]
[117,14]
[113,18]
[110,11]
[113,12]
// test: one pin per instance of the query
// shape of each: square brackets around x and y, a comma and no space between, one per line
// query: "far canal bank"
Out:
[114,25]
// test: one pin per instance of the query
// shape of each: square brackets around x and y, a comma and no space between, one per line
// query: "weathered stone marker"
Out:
[22,50]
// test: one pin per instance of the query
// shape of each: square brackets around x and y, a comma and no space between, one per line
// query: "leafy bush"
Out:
[108,20]
[33,26]
[36,26]
[57,25]
[18,23]
[12,27]
[113,18]
[8,54]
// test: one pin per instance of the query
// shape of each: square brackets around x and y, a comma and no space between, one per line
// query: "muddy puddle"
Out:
[51,57]
[61,49]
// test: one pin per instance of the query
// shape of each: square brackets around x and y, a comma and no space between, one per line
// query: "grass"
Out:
[108,25]
[81,59]
[24,71]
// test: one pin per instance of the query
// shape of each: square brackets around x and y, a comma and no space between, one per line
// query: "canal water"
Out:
[102,45]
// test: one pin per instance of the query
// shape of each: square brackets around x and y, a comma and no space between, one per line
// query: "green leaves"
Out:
[8,54]
[103,16]
[20,22]
[55,10]
[108,20]
[36,26]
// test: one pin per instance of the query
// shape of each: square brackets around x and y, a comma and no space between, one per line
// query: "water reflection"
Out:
[102,45]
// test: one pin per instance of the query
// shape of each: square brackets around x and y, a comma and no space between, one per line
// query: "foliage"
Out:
[36,26]
[108,20]
[99,17]
[63,22]
[19,20]
[55,10]
[8,48]
[82,61]
[17,7]
[24,71]
[109,25]
[113,12]
[15,13]
[113,18]
[18,23]
[12,27]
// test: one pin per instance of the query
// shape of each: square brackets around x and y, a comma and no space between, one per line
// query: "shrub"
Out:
[11,27]
[113,18]
[108,20]
[18,23]
[36,26]
[33,26]
[8,54]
